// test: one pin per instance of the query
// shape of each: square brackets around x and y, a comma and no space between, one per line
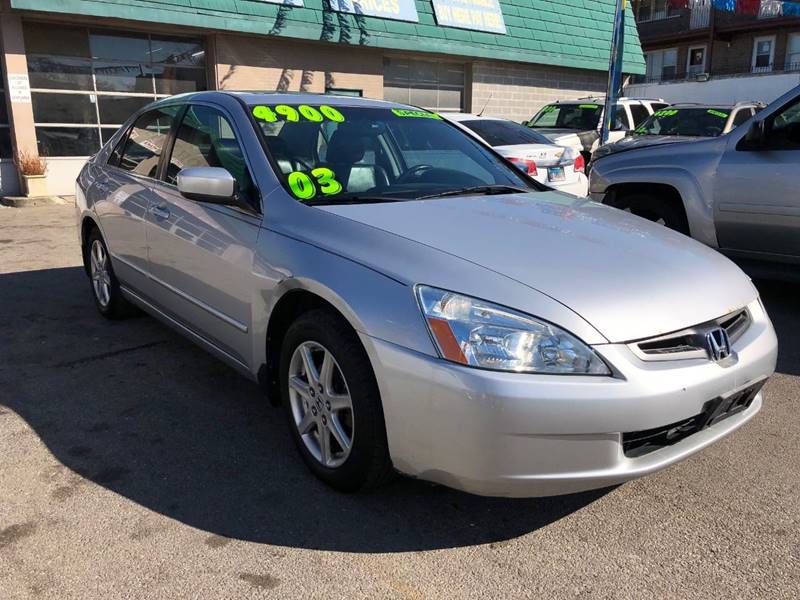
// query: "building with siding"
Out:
[73,70]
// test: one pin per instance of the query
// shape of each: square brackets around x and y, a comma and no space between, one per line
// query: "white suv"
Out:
[576,123]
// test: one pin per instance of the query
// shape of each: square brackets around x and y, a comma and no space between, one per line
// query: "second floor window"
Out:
[653,10]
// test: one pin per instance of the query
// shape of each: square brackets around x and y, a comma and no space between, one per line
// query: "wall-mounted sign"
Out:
[19,88]
[286,2]
[399,10]
[479,15]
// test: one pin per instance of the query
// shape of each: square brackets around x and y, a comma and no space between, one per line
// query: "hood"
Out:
[628,277]
[642,141]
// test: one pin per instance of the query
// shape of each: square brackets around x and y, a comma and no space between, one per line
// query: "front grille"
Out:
[691,342]
[639,443]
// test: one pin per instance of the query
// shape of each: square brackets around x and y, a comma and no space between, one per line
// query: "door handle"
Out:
[161,212]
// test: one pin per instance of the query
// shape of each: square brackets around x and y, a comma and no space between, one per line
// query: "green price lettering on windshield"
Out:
[304,188]
[548,109]
[591,106]
[670,112]
[421,114]
[717,113]
[292,114]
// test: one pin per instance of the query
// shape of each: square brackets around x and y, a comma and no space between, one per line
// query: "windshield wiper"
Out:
[478,189]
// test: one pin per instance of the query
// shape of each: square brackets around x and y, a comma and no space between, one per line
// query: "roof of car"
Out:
[716,105]
[454,116]
[258,97]
[602,100]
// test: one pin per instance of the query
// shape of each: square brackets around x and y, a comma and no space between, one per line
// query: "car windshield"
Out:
[354,154]
[581,117]
[690,122]
[505,133]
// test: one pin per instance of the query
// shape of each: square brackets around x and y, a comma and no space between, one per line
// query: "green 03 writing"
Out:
[317,114]
[304,188]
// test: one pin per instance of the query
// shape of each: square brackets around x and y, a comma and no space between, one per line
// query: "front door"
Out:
[200,254]
[757,197]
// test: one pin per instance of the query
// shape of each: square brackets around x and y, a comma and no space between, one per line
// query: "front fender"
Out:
[690,188]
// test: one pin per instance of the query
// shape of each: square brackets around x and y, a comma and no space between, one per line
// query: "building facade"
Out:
[695,52]
[74,70]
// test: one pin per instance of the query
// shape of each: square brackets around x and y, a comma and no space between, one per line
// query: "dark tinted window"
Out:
[785,131]
[505,133]
[741,116]
[639,113]
[205,138]
[146,141]
[67,141]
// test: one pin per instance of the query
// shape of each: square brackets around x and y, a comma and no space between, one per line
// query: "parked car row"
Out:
[416,302]
[734,188]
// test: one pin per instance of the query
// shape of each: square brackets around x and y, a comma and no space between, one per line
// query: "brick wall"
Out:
[258,63]
[518,90]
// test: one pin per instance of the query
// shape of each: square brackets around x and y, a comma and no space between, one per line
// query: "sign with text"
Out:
[479,15]
[19,88]
[298,3]
[399,10]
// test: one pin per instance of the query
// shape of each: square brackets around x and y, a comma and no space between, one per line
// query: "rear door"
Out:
[122,192]
[201,255]
[757,204]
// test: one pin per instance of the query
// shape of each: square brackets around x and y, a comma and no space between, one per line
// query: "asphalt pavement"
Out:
[134,465]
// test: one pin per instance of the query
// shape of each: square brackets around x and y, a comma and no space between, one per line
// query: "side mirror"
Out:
[214,185]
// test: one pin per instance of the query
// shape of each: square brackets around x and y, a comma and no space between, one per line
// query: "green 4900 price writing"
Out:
[316,114]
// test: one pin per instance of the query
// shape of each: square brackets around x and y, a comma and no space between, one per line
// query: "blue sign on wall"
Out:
[479,15]
[399,10]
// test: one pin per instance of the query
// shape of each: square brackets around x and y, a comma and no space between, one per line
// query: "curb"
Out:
[29,202]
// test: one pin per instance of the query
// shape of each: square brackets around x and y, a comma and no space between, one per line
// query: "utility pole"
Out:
[614,70]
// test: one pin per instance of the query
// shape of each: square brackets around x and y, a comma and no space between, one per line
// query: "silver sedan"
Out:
[415,303]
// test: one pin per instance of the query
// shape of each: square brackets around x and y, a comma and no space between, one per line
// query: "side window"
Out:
[639,114]
[784,134]
[205,138]
[620,120]
[741,117]
[145,142]
[657,106]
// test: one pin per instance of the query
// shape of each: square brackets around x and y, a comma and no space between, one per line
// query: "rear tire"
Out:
[655,209]
[105,287]
[339,401]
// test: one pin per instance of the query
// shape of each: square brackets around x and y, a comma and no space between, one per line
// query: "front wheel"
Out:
[655,209]
[333,404]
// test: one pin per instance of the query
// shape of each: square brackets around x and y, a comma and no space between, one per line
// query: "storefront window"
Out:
[85,83]
[5,137]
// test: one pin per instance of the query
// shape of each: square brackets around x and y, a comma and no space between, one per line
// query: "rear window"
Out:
[505,133]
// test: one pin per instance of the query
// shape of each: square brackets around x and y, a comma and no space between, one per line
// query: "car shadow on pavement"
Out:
[135,408]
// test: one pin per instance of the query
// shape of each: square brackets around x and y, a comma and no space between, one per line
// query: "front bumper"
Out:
[509,434]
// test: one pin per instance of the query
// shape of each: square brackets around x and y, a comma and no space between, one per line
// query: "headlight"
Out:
[480,334]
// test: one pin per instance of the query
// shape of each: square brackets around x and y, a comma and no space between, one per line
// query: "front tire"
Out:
[333,404]
[655,209]
[105,287]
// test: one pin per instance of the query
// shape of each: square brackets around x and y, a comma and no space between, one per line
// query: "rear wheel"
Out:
[105,287]
[655,209]
[332,403]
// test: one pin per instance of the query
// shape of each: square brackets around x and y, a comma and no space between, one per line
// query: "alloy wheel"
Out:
[101,278]
[321,404]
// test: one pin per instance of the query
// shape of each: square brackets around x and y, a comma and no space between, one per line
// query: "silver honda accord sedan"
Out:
[414,302]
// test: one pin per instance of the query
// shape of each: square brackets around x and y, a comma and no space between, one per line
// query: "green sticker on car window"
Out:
[717,113]
[592,106]
[419,114]
[293,114]
[548,109]
[304,187]
[667,112]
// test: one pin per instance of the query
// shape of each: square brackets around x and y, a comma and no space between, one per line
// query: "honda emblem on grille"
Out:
[718,344]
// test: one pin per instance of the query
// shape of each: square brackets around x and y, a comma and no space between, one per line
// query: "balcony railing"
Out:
[740,70]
